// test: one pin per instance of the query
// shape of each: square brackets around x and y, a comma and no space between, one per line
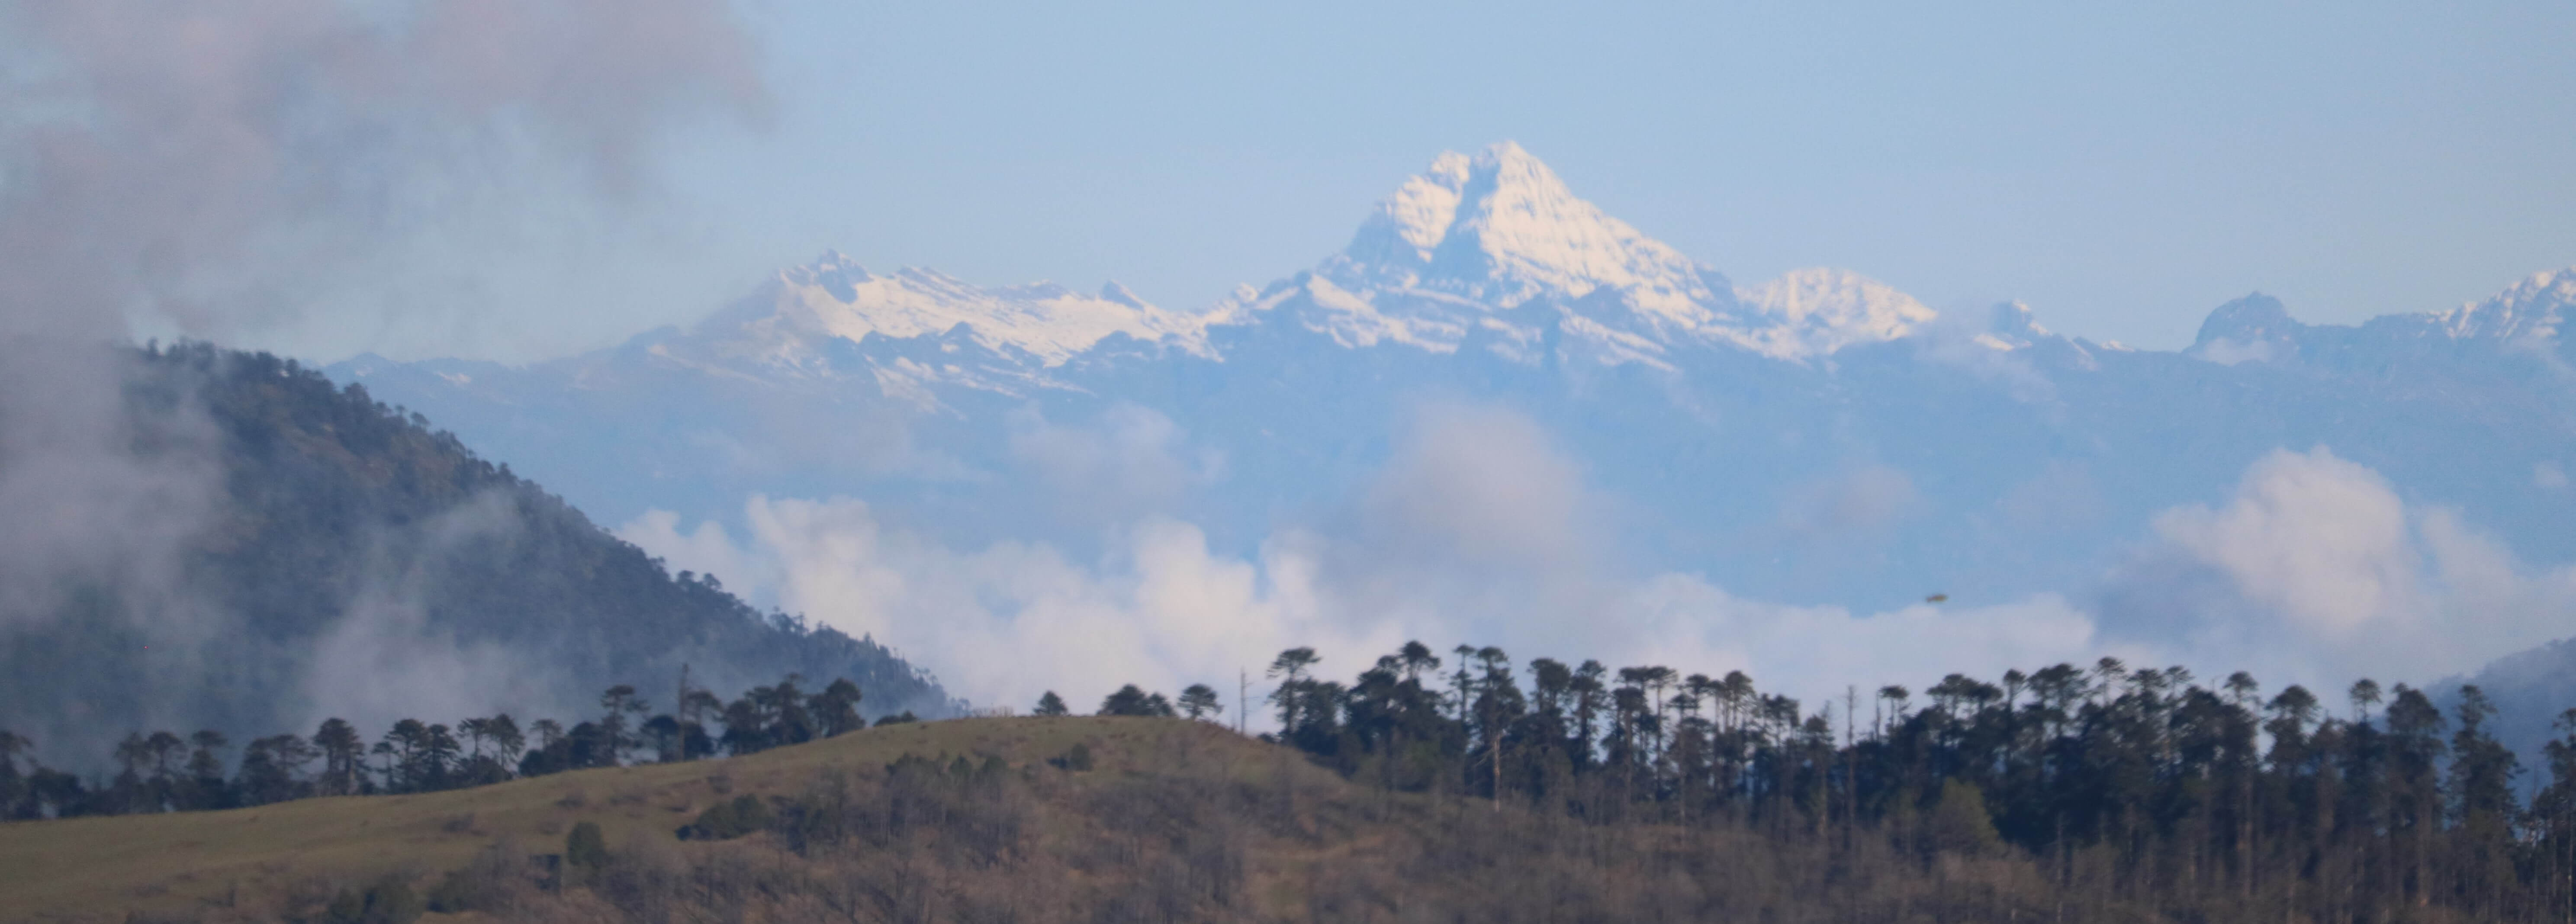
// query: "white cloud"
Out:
[2322,540]
[2318,572]
[1479,530]
[1003,624]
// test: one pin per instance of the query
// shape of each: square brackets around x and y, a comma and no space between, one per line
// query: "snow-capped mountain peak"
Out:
[2531,309]
[1473,243]
[1501,228]
[1409,225]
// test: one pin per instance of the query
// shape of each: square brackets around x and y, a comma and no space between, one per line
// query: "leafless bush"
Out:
[499,881]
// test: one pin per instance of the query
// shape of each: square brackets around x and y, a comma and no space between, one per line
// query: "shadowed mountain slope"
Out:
[344,559]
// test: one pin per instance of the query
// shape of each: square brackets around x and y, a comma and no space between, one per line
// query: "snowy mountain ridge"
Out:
[2532,310]
[1492,248]
[835,298]
[1490,252]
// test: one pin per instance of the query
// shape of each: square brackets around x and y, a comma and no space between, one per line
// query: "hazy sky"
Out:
[2122,170]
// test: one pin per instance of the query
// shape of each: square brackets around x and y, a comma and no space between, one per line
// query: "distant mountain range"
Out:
[2023,460]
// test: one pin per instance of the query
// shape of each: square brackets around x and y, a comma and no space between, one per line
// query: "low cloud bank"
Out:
[1481,530]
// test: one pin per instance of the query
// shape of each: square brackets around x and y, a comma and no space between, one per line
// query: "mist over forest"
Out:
[316,554]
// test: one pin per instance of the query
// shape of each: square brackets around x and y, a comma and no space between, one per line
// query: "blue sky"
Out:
[2122,169]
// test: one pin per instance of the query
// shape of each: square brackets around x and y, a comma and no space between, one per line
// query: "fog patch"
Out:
[1862,504]
[2227,352]
[2062,498]
[233,171]
[102,489]
[1129,461]
[382,661]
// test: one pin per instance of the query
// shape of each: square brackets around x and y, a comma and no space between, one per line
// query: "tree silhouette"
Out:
[1050,705]
[507,741]
[205,787]
[1198,701]
[836,709]
[2365,694]
[1291,668]
[1416,657]
[1131,700]
[342,751]
[619,702]
[664,734]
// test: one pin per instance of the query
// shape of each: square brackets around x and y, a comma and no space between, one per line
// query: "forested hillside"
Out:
[1065,819]
[2111,792]
[353,562]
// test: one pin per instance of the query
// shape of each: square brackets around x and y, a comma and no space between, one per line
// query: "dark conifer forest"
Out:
[2109,792]
[163,772]
[351,552]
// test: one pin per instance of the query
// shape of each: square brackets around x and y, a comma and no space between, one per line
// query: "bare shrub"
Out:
[499,881]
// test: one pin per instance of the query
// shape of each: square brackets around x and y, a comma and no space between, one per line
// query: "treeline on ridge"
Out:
[2114,789]
[162,772]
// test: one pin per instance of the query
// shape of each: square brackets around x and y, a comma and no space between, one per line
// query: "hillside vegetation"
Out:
[353,562]
[291,859]
[1027,820]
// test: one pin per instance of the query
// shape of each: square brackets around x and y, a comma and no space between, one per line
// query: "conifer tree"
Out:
[1199,701]
[1050,705]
